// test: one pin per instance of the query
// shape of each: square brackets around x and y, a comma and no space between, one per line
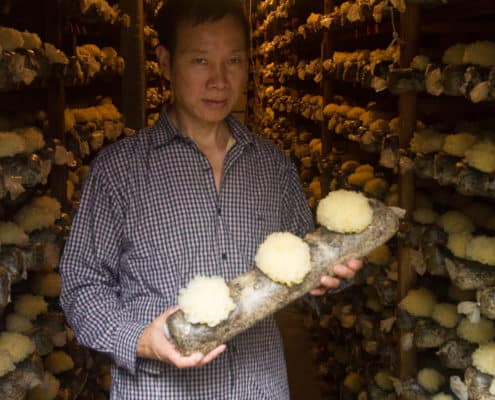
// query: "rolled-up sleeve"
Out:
[296,214]
[89,268]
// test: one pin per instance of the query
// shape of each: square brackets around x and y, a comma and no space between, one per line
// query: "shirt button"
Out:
[224,256]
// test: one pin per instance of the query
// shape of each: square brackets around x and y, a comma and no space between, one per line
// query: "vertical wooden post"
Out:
[409,36]
[133,83]
[327,90]
[250,8]
[55,100]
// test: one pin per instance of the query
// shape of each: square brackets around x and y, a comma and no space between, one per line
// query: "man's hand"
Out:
[154,345]
[346,270]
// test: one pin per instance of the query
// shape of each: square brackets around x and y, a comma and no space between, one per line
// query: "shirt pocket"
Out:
[261,221]
[150,276]
[266,221]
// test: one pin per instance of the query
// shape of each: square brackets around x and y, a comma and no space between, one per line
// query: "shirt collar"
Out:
[164,131]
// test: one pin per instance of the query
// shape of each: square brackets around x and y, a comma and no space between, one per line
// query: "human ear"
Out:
[163,57]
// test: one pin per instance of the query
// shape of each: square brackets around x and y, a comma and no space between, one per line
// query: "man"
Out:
[195,194]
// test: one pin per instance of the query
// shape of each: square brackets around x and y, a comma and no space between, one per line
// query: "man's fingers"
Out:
[355,264]
[195,359]
[181,361]
[164,315]
[214,353]
[318,291]
[329,281]
[343,271]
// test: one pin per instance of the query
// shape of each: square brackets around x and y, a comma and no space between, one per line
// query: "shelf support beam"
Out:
[409,44]
[327,48]
[133,83]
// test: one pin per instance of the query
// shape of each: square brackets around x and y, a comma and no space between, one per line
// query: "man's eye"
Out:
[235,60]
[199,60]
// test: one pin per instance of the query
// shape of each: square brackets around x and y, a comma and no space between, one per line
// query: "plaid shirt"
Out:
[150,219]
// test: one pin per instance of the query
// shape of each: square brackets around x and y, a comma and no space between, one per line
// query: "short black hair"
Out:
[173,12]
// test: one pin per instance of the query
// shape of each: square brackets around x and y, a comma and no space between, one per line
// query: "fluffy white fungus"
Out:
[418,302]
[376,187]
[381,256]
[206,300]
[373,303]
[70,189]
[368,117]
[11,144]
[109,112]
[430,379]
[314,188]
[47,390]
[355,112]
[6,363]
[33,138]
[445,314]
[382,379]
[69,120]
[480,333]
[442,396]
[484,358]
[30,306]
[17,345]
[481,156]
[58,362]
[10,39]
[457,144]
[284,258]
[454,54]
[457,243]
[349,165]
[360,178]
[344,211]
[17,323]
[427,141]
[420,62]
[63,156]
[424,216]
[40,213]
[455,222]
[54,55]
[31,40]
[47,284]
[392,199]
[380,126]
[353,382]
[481,249]
[480,53]
[51,256]
[11,233]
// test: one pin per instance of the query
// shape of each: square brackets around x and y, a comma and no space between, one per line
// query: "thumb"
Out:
[167,313]
[162,319]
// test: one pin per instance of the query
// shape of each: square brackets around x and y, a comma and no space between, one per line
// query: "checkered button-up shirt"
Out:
[150,219]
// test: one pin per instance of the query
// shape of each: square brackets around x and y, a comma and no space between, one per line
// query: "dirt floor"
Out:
[300,366]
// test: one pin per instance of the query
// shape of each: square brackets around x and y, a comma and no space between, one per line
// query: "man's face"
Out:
[208,71]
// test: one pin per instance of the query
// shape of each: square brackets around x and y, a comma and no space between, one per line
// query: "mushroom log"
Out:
[256,296]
